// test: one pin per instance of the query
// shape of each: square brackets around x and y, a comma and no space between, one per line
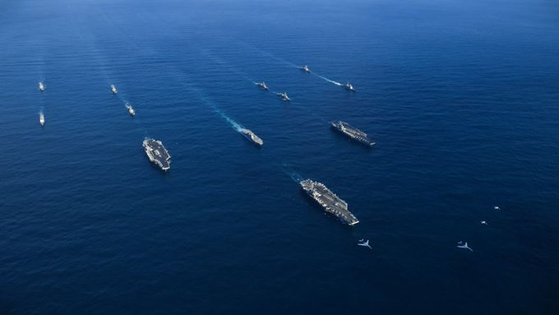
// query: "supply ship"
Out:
[352,132]
[157,153]
[329,201]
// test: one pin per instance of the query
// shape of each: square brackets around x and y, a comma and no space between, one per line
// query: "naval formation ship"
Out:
[252,137]
[352,132]
[329,201]
[157,153]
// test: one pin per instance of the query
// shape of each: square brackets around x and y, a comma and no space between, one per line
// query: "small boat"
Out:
[113,89]
[131,110]
[41,86]
[306,69]
[42,119]
[284,96]
[262,85]
[349,87]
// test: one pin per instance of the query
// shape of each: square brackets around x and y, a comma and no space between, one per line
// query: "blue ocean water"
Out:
[460,96]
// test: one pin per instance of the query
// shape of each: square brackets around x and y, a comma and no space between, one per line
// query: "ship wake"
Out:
[185,81]
[268,54]
[288,169]
[285,62]
[225,65]
[328,80]
[228,119]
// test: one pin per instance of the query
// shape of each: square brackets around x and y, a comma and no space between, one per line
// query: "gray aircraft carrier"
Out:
[157,153]
[352,132]
[329,201]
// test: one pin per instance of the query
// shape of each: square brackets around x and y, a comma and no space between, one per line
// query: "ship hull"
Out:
[251,141]
[358,138]
[157,154]
[329,201]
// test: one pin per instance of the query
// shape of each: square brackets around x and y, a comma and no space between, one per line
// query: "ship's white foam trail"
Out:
[287,169]
[180,77]
[117,30]
[41,70]
[225,64]
[296,177]
[288,63]
[269,55]
[328,80]
[230,120]
[122,98]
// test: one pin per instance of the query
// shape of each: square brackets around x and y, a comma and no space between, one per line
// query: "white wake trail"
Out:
[328,80]
[269,55]
[288,169]
[230,120]
[179,75]
[208,54]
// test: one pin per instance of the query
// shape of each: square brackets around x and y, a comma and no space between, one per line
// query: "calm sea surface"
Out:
[462,98]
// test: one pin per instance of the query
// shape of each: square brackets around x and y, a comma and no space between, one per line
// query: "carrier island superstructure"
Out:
[329,201]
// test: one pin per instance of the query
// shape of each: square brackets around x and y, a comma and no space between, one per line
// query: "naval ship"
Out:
[157,153]
[262,85]
[329,201]
[284,96]
[352,132]
[252,137]
[131,110]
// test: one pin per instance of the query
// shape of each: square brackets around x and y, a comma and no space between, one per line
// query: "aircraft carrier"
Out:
[329,201]
[157,153]
[352,132]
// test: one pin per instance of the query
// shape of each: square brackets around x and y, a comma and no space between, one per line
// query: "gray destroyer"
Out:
[157,153]
[329,201]
[352,132]
[252,137]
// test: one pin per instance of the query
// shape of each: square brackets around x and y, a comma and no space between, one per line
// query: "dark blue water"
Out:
[460,96]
